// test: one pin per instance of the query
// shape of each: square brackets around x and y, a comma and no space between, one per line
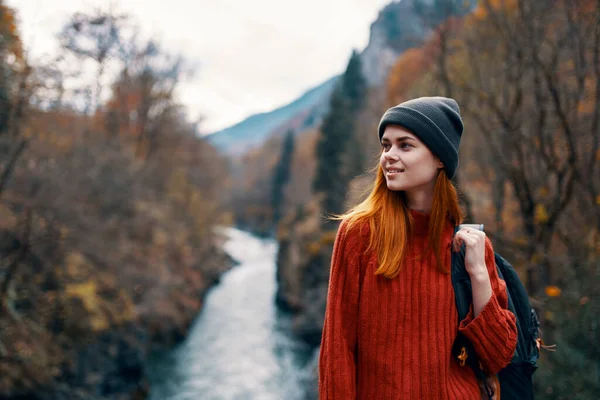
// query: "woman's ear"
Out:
[440,164]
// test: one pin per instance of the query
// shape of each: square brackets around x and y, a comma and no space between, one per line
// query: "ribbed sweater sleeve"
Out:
[337,358]
[493,333]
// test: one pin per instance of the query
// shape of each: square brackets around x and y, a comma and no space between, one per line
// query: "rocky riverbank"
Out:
[80,358]
[305,248]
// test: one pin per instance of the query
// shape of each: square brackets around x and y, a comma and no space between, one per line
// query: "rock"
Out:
[303,263]
[399,26]
[295,234]
[287,296]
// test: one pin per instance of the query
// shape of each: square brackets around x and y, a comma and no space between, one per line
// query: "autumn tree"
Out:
[530,105]
[141,107]
[12,68]
[94,36]
[14,72]
[526,74]
[103,236]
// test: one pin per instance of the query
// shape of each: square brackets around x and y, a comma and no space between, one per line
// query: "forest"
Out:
[109,196]
[107,202]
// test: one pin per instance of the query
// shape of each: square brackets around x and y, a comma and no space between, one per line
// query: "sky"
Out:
[251,56]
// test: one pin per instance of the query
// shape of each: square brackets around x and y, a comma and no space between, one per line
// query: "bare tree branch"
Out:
[8,168]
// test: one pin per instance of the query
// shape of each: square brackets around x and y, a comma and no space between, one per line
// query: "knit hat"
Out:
[435,120]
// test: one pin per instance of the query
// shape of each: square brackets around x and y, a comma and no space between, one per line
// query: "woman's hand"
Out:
[474,241]
[475,265]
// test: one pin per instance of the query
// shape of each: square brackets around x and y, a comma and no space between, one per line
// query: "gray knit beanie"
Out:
[436,121]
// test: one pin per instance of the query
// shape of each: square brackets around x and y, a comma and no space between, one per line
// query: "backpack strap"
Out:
[461,281]
[462,349]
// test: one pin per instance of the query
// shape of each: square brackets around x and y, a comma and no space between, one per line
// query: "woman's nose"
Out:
[391,155]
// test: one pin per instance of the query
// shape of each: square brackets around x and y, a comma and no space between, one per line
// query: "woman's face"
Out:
[406,162]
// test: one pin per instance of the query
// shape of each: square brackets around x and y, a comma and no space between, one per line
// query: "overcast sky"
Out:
[253,56]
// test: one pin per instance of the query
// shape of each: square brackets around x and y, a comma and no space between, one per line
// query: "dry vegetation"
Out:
[107,203]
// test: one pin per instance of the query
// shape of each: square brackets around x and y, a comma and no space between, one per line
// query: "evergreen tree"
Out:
[435,12]
[6,38]
[336,161]
[354,85]
[281,176]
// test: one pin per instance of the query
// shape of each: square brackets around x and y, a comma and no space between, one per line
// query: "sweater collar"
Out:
[420,222]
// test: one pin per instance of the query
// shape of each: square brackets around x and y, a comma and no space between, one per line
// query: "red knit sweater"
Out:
[392,338]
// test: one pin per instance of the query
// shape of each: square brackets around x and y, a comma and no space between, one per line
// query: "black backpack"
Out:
[516,379]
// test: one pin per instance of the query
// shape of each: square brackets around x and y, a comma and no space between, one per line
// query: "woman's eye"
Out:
[405,146]
[385,146]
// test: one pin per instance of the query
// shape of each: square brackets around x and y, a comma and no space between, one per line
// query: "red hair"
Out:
[391,224]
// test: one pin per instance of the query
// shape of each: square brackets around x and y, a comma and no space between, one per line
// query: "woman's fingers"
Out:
[465,237]
[469,236]
[475,248]
[462,237]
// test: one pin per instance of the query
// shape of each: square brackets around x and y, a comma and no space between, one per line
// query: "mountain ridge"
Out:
[399,25]
[255,129]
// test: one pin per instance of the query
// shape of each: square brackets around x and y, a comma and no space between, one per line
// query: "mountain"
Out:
[402,25]
[302,113]
[399,26]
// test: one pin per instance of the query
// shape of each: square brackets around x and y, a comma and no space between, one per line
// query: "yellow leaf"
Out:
[522,240]
[328,237]
[553,291]
[535,258]
[314,248]
[541,215]
[86,292]
[77,266]
[598,200]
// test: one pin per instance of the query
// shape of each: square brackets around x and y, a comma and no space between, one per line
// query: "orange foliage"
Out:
[8,29]
[102,244]
[411,66]
[415,63]
[483,7]
[124,104]
[553,291]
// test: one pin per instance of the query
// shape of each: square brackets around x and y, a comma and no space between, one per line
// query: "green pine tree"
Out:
[335,151]
[5,73]
[354,85]
[281,176]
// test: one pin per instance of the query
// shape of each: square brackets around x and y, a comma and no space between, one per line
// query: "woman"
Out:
[391,319]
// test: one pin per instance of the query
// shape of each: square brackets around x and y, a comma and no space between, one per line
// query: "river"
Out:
[238,347]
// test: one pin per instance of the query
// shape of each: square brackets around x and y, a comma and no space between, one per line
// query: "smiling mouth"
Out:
[394,171]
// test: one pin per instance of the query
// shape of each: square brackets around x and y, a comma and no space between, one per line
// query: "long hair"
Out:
[391,224]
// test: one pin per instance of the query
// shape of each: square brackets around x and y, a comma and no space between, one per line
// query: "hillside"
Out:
[302,113]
